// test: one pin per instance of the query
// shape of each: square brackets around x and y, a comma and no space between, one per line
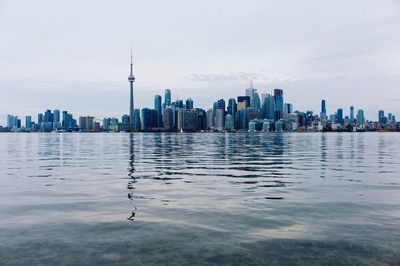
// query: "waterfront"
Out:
[262,198]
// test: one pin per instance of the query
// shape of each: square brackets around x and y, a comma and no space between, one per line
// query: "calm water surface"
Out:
[244,199]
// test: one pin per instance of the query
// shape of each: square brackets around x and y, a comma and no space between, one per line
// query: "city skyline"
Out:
[344,52]
[263,106]
[253,111]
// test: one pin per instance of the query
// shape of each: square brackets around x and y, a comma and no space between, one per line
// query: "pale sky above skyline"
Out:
[74,55]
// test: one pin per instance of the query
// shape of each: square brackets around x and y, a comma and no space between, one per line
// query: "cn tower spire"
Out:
[131,79]
[131,63]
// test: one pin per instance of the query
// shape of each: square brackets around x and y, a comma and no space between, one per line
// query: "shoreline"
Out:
[202,132]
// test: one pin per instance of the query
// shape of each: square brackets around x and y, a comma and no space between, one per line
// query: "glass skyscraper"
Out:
[167,98]
[278,97]
[158,108]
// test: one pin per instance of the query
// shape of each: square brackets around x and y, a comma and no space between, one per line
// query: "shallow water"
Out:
[245,199]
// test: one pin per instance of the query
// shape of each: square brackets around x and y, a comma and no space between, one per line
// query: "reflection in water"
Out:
[290,196]
[131,170]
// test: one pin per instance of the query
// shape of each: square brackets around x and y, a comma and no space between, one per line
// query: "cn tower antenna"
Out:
[131,79]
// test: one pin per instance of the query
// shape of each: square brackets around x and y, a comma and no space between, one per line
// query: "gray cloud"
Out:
[240,76]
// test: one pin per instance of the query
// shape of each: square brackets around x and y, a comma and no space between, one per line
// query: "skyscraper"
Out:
[158,108]
[381,118]
[257,101]
[56,119]
[48,116]
[12,121]
[220,119]
[167,98]
[360,118]
[243,102]
[146,119]
[250,92]
[65,120]
[40,119]
[339,116]
[221,104]
[232,107]
[210,118]
[323,107]
[351,114]
[28,121]
[125,119]
[56,116]
[131,79]
[168,119]
[189,103]
[187,119]
[137,125]
[278,97]
[288,109]
[268,107]
[323,110]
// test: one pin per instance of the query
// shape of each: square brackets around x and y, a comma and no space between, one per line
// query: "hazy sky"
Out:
[74,55]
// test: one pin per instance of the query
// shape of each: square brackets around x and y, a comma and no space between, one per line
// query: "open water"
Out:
[192,199]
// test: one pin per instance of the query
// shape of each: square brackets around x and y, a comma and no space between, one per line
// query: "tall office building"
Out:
[381,118]
[250,114]
[250,92]
[56,119]
[68,122]
[12,121]
[40,119]
[28,121]
[86,123]
[210,118]
[268,107]
[125,119]
[158,108]
[288,109]
[232,107]
[220,119]
[146,119]
[257,101]
[83,123]
[56,116]
[351,114]
[168,119]
[323,110]
[65,121]
[278,97]
[187,119]
[131,79]
[243,102]
[360,118]
[221,104]
[48,121]
[339,116]
[240,122]
[106,123]
[189,104]
[201,119]
[48,116]
[167,98]
[137,125]
[323,107]
[178,104]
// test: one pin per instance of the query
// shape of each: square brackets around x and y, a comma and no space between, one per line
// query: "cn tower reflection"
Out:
[132,180]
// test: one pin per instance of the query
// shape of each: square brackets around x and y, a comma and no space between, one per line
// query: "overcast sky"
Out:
[74,55]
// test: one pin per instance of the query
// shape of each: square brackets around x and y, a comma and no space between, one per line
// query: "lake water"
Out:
[242,199]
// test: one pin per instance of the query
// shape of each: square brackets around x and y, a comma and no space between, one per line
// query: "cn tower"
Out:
[131,79]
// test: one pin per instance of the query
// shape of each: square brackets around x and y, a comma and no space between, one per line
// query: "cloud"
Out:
[229,77]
